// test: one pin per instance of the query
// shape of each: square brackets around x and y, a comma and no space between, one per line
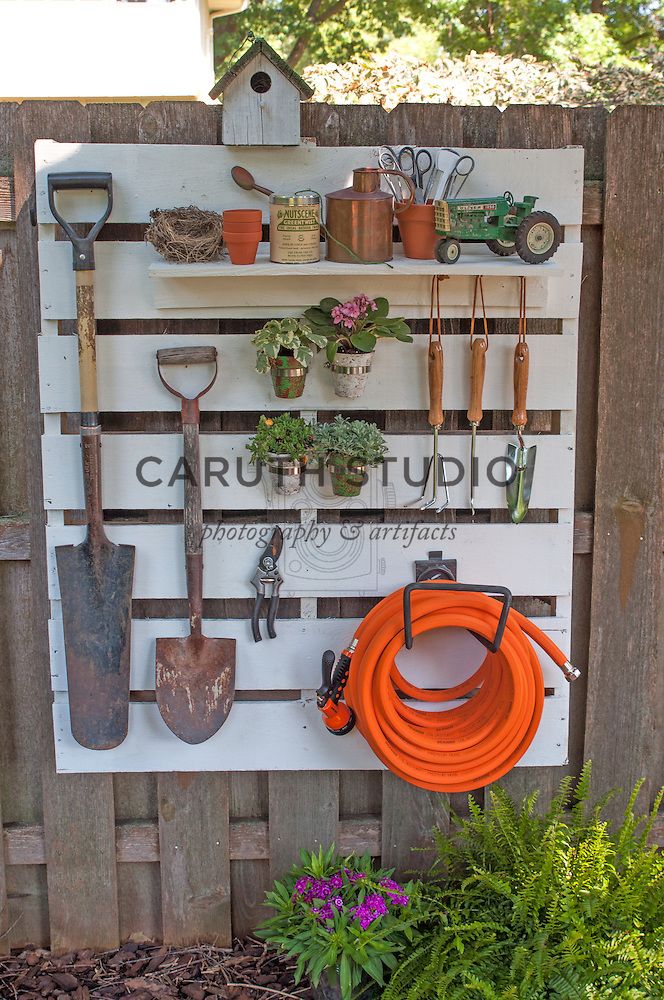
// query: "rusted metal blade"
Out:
[95,587]
[195,685]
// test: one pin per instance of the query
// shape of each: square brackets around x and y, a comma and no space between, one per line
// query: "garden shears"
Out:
[267,581]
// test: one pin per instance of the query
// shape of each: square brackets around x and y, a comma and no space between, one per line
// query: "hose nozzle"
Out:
[338,717]
[570,672]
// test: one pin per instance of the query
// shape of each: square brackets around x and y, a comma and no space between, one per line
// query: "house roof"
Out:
[260,46]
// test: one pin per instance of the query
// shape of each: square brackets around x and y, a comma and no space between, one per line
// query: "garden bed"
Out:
[248,971]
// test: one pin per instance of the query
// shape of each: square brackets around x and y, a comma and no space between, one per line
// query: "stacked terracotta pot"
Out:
[243,228]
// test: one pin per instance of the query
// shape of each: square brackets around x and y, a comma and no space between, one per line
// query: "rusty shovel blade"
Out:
[195,685]
[95,588]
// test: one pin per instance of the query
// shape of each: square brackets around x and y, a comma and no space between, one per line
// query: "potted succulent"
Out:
[285,347]
[344,921]
[283,444]
[348,447]
[351,330]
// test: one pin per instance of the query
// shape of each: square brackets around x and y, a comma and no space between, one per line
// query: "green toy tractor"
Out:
[505,225]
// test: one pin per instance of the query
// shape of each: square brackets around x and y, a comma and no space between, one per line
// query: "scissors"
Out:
[267,580]
[415,163]
[449,174]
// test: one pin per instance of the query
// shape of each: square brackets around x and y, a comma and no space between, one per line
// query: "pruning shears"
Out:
[267,581]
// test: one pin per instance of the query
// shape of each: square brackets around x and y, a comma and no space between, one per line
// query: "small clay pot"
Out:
[242,248]
[347,475]
[243,227]
[418,234]
[351,372]
[288,377]
[232,215]
[286,474]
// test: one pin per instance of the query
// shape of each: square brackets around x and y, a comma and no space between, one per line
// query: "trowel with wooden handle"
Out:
[521,459]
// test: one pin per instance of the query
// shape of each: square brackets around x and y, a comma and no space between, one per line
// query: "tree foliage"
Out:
[310,31]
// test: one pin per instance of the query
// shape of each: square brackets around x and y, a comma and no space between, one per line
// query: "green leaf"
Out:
[363,341]
[328,304]
[317,316]
[382,308]
[345,979]
[331,350]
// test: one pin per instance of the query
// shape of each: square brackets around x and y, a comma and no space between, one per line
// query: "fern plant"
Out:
[542,907]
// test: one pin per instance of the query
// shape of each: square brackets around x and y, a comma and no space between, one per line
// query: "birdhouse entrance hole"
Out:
[260,82]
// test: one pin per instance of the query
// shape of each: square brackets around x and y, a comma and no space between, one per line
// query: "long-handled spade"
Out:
[96,576]
[196,674]
[521,459]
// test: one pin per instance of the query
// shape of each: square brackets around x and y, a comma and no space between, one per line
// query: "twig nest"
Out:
[186,235]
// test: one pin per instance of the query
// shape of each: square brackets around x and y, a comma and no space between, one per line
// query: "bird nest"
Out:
[186,235]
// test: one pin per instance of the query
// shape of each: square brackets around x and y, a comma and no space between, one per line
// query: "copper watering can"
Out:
[359,219]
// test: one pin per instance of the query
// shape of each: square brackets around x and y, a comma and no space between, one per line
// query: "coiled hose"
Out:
[467,746]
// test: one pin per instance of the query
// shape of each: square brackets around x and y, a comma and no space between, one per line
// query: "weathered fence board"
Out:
[628,578]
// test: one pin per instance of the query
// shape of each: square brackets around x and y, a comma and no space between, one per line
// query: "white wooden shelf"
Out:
[471,262]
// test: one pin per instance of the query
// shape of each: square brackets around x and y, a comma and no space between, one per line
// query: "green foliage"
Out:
[358,440]
[324,31]
[282,435]
[532,907]
[355,325]
[338,915]
[291,337]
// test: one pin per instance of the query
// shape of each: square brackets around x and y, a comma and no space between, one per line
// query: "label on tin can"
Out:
[295,233]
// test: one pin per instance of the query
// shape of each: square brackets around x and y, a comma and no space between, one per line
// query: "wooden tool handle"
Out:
[193,513]
[477,370]
[521,363]
[86,329]
[187,355]
[436,415]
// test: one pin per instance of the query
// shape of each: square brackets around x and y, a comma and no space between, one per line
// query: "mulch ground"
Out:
[248,971]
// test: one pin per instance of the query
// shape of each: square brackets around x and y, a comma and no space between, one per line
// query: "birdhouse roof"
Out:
[260,46]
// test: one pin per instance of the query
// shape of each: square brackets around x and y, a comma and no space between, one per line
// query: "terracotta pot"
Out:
[416,225]
[351,372]
[286,474]
[243,227]
[288,377]
[348,476]
[232,215]
[242,248]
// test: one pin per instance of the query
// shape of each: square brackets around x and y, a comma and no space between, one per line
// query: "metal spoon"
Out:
[246,181]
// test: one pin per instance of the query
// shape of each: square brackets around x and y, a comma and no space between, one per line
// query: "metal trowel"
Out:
[521,458]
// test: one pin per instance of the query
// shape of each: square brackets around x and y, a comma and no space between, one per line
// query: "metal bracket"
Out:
[435,568]
[431,583]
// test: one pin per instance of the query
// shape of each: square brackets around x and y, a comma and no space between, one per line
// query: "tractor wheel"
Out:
[448,251]
[538,237]
[501,247]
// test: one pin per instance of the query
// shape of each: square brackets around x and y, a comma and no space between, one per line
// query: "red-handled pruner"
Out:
[338,717]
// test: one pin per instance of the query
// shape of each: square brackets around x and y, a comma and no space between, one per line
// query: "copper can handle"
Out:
[402,205]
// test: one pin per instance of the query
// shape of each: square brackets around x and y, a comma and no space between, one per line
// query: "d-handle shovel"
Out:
[195,675]
[96,576]
[521,459]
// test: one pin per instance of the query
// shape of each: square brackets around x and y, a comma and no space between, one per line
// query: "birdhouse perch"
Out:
[262,95]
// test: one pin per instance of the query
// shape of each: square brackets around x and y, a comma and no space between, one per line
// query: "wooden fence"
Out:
[89,860]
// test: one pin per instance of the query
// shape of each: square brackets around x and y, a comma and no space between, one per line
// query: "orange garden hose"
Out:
[464,747]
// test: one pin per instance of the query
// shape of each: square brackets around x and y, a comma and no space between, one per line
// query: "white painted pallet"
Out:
[359,557]
[130,381]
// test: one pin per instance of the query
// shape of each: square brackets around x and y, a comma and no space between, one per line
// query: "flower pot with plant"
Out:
[282,444]
[285,347]
[351,330]
[345,922]
[348,447]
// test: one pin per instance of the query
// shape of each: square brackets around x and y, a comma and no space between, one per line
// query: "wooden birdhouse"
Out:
[262,95]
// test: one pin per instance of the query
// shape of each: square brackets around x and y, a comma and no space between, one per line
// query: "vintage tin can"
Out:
[295,228]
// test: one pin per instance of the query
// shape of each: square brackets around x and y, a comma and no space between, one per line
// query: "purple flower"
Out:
[302,885]
[353,876]
[399,900]
[337,881]
[389,883]
[338,902]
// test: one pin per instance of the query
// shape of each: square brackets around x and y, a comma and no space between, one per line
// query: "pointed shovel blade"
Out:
[95,590]
[519,489]
[195,685]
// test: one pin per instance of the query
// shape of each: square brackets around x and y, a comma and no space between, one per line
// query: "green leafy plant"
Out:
[358,440]
[339,916]
[542,907]
[356,325]
[290,337]
[282,435]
